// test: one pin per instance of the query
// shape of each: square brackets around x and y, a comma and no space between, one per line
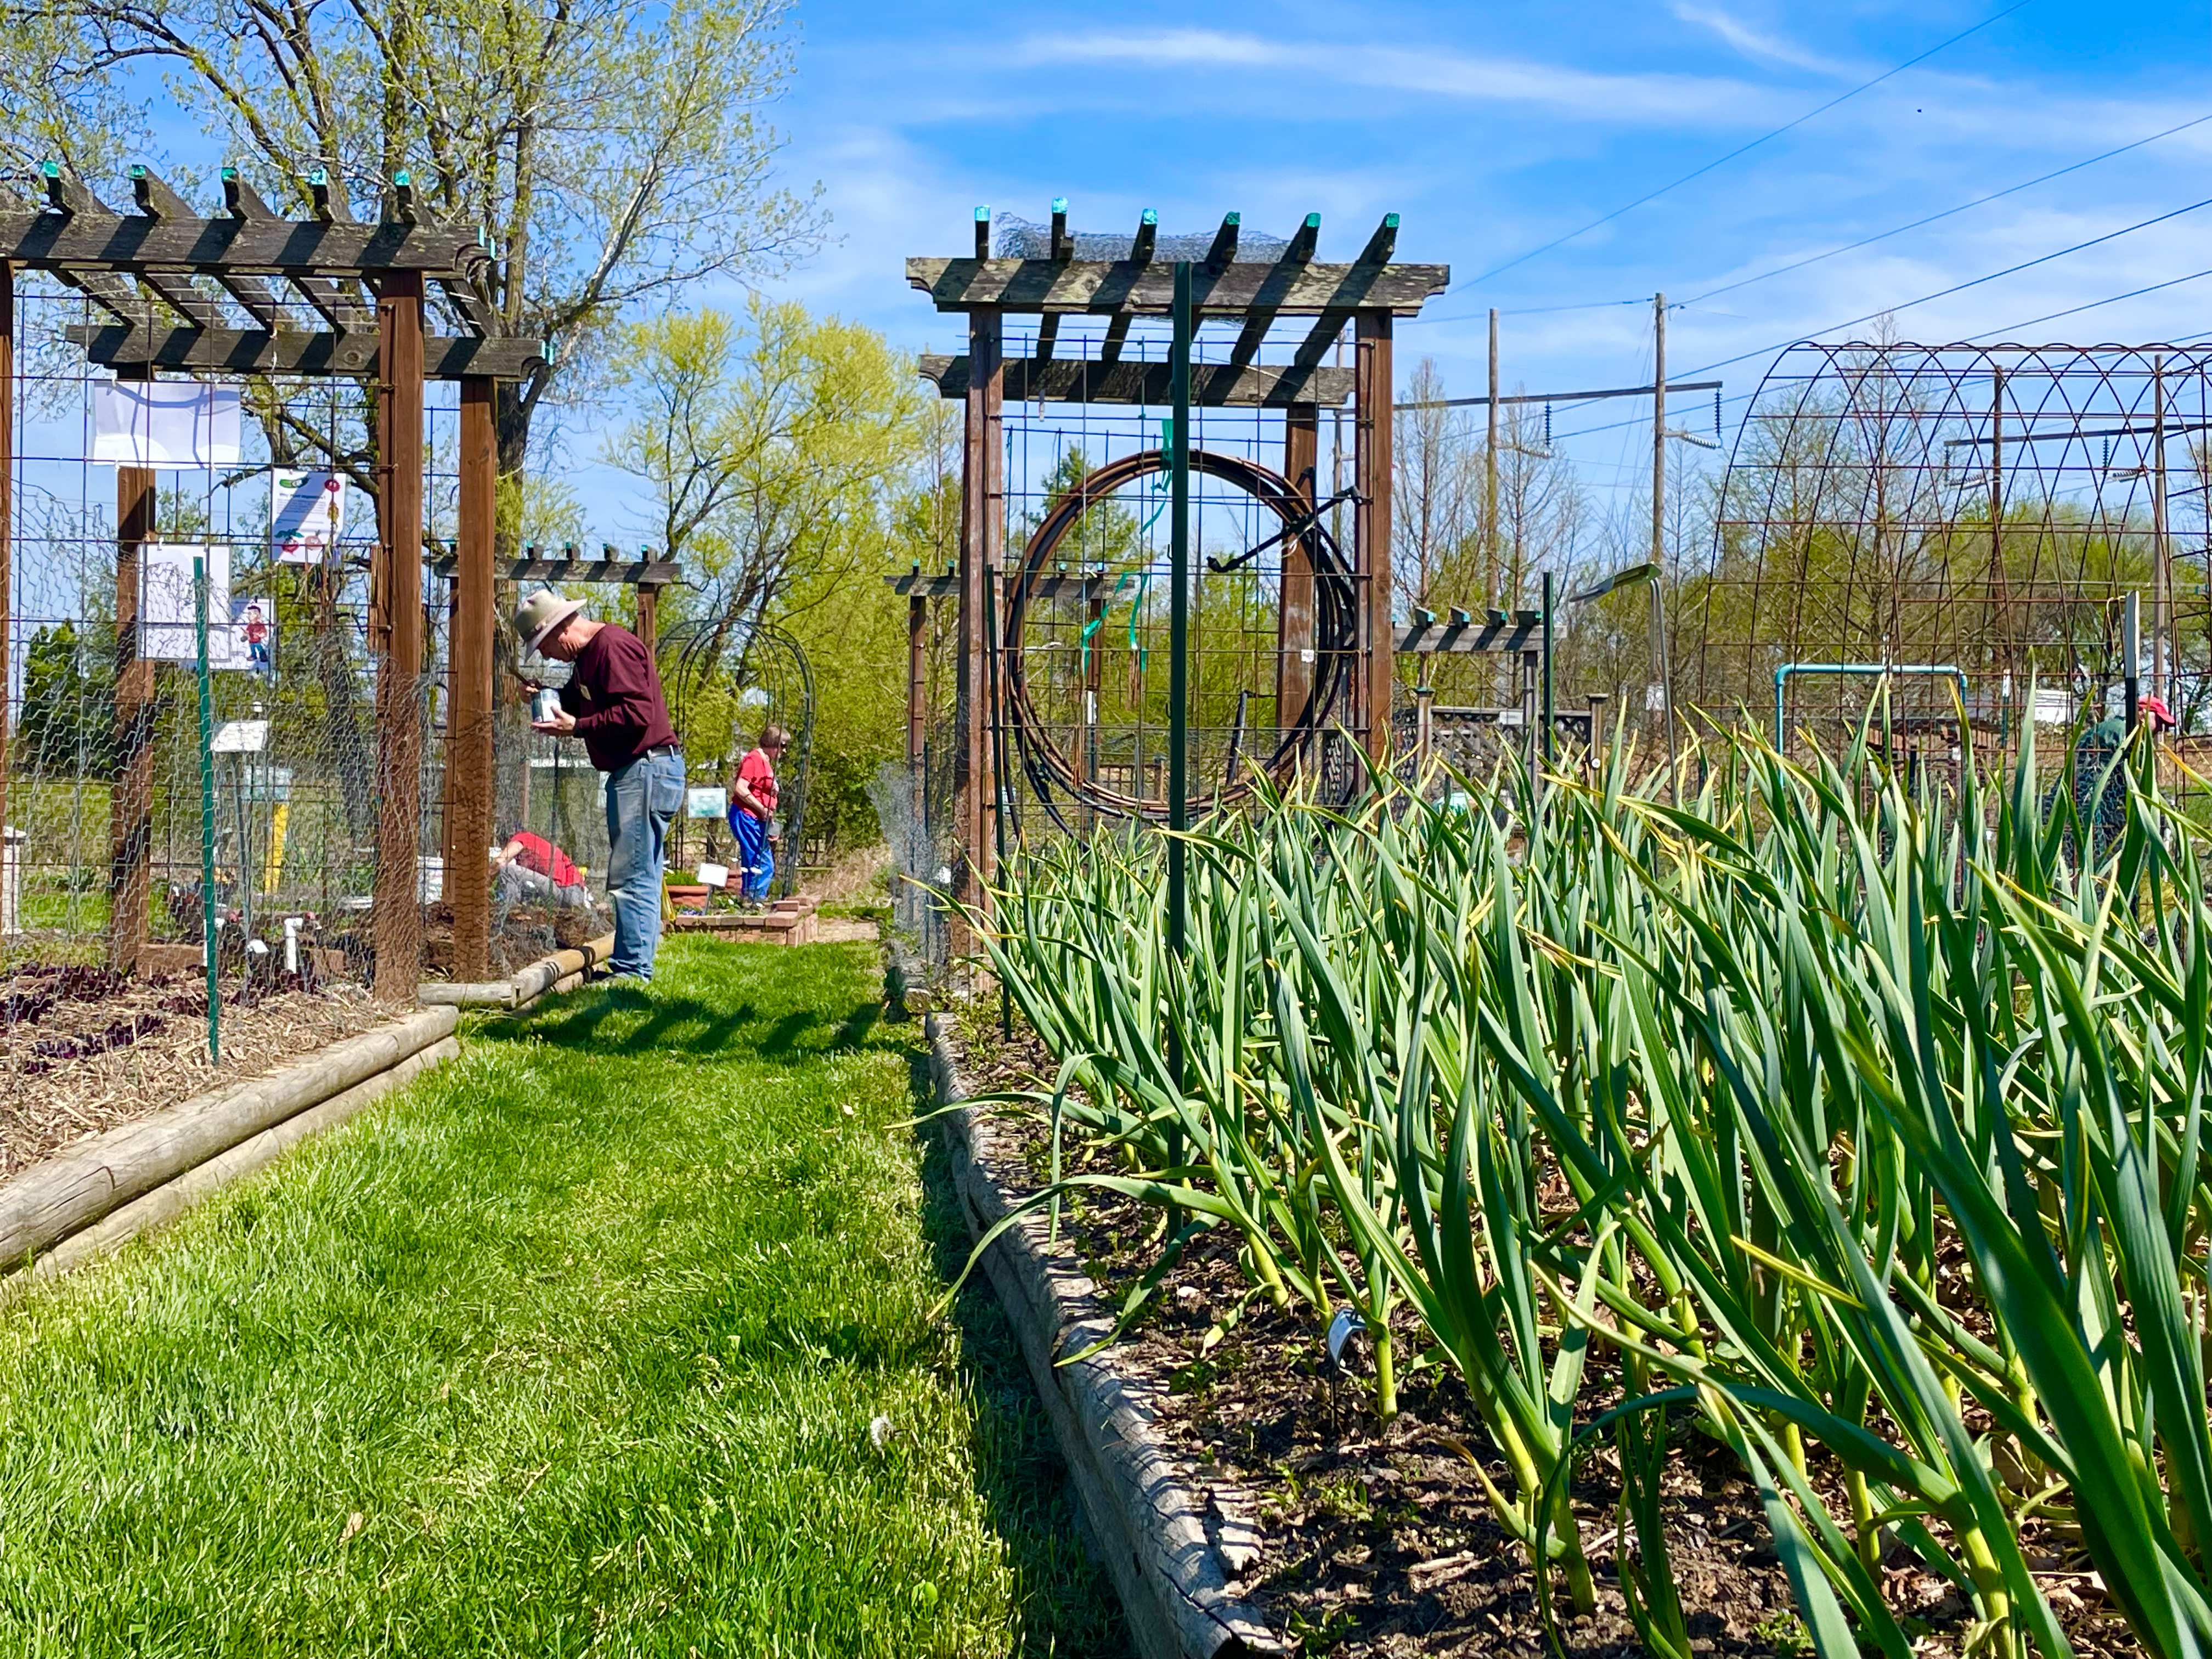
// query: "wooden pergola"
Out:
[1249,296]
[252,293]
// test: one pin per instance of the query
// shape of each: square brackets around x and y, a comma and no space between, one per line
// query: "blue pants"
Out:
[642,796]
[755,857]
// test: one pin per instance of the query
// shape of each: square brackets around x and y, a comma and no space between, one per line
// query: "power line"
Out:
[1883,236]
[1746,397]
[1744,149]
[2115,299]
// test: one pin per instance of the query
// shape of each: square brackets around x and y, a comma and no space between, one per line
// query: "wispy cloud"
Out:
[1753,43]
[1668,99]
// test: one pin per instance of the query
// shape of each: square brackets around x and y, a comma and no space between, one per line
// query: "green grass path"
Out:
[571,1348]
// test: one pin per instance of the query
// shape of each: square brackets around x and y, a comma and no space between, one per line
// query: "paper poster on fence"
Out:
[252,643]
[306,515]
[164,423]
[167,626]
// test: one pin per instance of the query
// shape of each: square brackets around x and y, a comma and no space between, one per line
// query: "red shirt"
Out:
[758,773]
[541,855]
[615,695]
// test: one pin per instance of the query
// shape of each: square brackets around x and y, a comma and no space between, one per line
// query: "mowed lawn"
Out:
[573,1347]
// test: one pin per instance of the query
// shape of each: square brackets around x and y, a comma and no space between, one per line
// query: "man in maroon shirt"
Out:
[613,702]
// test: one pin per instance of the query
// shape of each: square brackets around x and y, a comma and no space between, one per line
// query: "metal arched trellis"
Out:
[1981,508]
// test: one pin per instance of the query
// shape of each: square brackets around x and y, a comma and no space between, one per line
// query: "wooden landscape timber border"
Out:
[1161,1542]
[88,1198]
[563,970]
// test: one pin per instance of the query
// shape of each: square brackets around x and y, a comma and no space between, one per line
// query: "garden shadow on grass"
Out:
[1069,1605]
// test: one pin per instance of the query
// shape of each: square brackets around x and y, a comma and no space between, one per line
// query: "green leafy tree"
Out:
[67,725]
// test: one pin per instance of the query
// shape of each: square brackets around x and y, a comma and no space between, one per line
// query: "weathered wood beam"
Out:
[1098,288]
[1224,251]
[157,201]
[109,292]
[94,239]
[1503,632]
[1297,255]
[1382,243]
[647,573]
[1117,335]
[288,351]
[916,585]
[1063,245]
[1213,386]
[1147,237]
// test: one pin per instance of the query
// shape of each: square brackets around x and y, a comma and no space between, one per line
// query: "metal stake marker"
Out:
[1178,668]
[208,920]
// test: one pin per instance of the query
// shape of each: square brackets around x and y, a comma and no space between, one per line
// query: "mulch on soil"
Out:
[84,1049]
[525,935]
[1375,1541]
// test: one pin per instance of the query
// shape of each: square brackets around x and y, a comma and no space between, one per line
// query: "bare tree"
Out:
[611,151]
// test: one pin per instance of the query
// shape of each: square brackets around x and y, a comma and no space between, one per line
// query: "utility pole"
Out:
[1662,690]
[1490,479]
[2161,571]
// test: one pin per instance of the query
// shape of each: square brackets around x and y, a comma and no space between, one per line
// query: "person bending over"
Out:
[531,869]
[752,812]
[613,702]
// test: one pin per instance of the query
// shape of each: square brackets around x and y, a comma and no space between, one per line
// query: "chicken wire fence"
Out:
[293,831]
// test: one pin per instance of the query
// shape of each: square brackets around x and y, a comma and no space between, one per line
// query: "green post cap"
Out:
[137,169]
[319,176]
[1391,220]
[50,169]
[402,177]
[1313,222]
[1059,204]
[982,215]
[1151,217]
[1232,219]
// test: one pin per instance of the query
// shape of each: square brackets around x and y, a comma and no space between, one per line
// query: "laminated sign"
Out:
[306,515]
[167,627]
[164,423]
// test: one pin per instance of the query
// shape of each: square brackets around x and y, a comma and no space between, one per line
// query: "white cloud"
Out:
[1753,43]
[1670,99]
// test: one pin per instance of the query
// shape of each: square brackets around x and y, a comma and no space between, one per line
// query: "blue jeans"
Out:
[757,858]
[642,797]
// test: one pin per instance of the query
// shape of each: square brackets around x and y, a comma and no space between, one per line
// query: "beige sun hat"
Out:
[540,614]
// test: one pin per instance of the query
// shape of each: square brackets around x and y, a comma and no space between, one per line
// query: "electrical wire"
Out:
[1956,288]
[1949,212]
[1743,149]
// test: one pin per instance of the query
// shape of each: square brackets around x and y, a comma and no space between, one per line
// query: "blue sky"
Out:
[1495,130]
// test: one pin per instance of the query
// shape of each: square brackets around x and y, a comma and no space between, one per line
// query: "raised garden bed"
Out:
[1336,1532]
[84,1049]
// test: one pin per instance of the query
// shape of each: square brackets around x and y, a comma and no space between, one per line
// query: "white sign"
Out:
[713,875]
[2054,705]
[306,515]
[707,803]
[168,623]
[240,738]
[164,423]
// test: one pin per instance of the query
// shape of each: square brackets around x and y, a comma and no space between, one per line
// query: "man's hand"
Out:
[560,726]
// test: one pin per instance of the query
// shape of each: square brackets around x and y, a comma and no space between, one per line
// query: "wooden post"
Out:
[130,801]
[982,486]
[1372,421]
[468,699]
[1294,640]
[648,617]
[396,912]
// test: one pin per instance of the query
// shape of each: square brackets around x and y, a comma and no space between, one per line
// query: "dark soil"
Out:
[1376,1540]
[84,1049]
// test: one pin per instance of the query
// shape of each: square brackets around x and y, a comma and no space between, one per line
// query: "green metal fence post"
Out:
[208,919]
[1178,664]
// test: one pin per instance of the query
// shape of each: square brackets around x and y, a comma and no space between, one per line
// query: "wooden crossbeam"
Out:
[294,351]
[1523,631]
[1225,242]
[916,585]
[645,573]
[1297,254]
[1124,287]
[1214,385]
[132,245]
